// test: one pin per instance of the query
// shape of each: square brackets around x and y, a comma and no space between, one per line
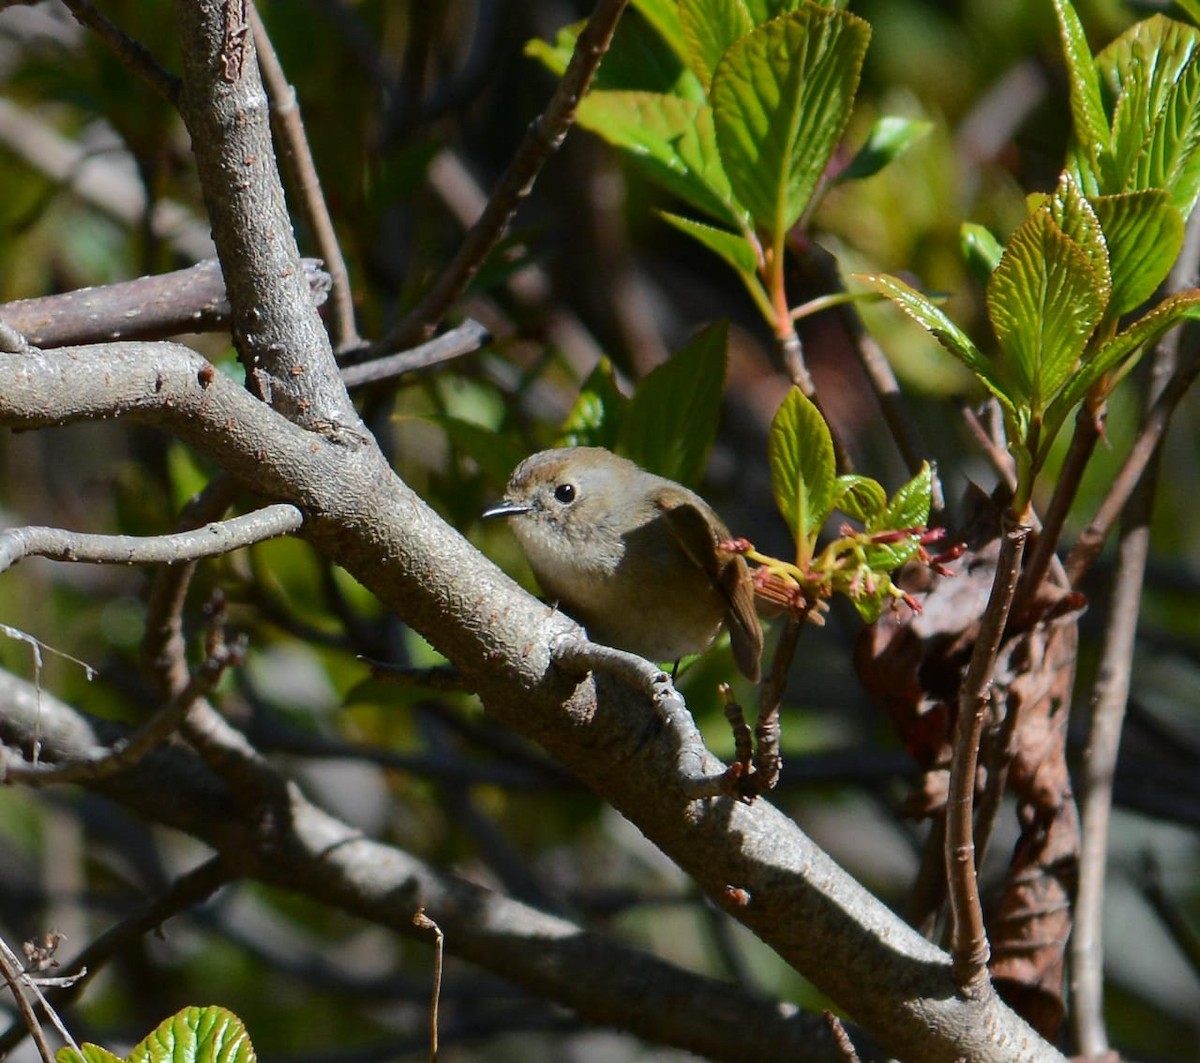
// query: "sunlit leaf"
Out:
[732,248]
[781,98]
[803,470]
[595,419]
[672,140]
[1144,233]
[196,1035]
[859,497]
[1090,122]
[980,249]
[1044,301]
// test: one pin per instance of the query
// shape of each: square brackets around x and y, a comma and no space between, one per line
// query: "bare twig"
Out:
[134,55]
[541,141]
[154,307]
[422,921]
[10,970]
[102,763]
[218,537]
[999,459]
[439,677]
[461,340]
[1174,921]
[969,944]
[297,157]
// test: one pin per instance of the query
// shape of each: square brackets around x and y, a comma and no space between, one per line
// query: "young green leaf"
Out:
[671,421]
[1144,233]
[672,140]
[781,99]
[196,1035]
[945,331]
[1044,301]
[909,506]
[88,1053]
[1152,73]
[709,28]
[859,497]
[890,137]
[803,470]
[1074,215]
[1092,134]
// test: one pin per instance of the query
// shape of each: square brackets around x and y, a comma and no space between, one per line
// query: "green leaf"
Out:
[945,331]
[88,1052]
[909,506]
[980,249]
[1116,355]
[1144,233]
[672,140]
[1074,215]
[709,28]
[889,138]
[1092,135]
[859,497]
[1153,74]
[1191,8]
[733,248]
[803,470]
[196,1035]
[1044,301]
[781,98]
[671,421]
[595,419]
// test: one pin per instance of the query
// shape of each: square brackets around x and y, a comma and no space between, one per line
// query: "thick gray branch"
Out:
[276,328]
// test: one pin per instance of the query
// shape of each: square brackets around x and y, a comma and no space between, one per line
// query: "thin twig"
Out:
[127,752]
[541,141]
[188,890]
[134,55]
[768,762]
[1158,418]
[11,963]
[420,919]
[218,537]
[297,157]
[969,945]
[455,343]
[10,970]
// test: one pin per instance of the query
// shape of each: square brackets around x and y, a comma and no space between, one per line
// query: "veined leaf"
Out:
[671,421]
[1144,233]
[909,506]
[1092,134]
[672,140]
[733,248]
[803,470]
[1074,215]
[980,249]
[1116,355]
[1044,301]
[1153,75]
[709,28]
[196,1035]
[88,1053]
[890,137]
[781,99]
[945,331]
[859,497]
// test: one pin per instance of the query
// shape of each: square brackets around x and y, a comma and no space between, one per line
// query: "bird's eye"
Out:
[565,493]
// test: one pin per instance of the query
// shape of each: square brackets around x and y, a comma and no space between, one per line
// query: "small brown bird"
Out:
[634,557]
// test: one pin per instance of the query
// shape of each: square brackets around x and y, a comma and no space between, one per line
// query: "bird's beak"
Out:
[505,508]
